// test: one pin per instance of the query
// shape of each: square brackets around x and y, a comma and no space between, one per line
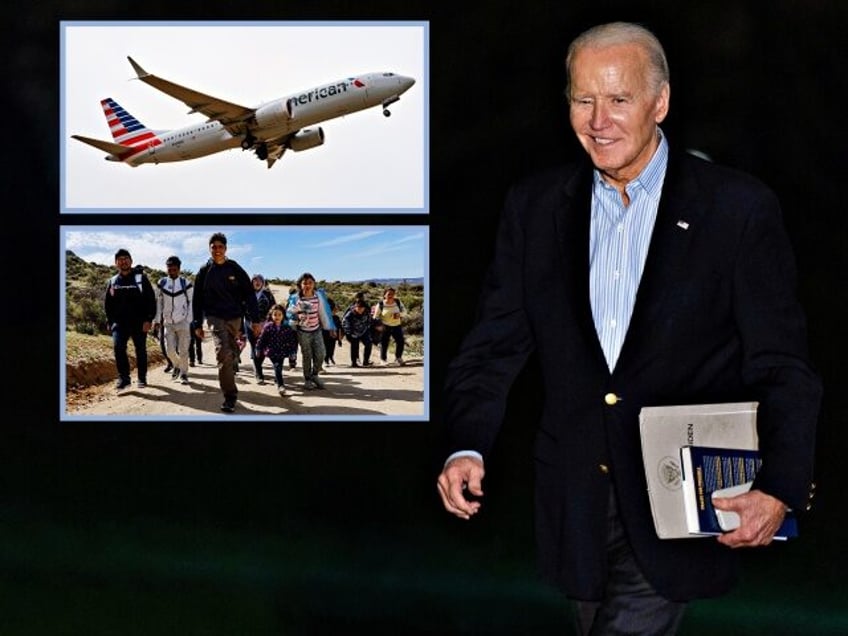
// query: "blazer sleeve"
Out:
[478,379]
[776,366]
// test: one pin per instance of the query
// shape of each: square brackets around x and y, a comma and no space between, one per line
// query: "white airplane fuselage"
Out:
[274,119]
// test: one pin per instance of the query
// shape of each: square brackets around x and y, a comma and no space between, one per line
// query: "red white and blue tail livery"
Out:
[268,129]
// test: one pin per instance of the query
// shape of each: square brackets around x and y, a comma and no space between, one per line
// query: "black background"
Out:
[326,528]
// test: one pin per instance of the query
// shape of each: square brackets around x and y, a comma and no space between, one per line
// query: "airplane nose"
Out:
[405,83]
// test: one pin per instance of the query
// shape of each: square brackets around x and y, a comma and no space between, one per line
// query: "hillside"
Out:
[85,284]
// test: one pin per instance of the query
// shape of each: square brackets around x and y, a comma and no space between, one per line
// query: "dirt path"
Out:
[359,392]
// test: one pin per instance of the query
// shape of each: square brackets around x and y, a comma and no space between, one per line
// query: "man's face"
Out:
[614,111]
[173,270]
[124,264]
[218,251]
[257,284]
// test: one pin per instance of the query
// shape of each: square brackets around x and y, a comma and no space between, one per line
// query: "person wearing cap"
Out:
[130,306]
[174,294]
[223,296]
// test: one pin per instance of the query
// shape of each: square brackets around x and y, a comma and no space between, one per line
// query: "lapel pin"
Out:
[683,224]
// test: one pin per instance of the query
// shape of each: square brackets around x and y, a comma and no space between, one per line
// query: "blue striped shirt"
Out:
[618,244]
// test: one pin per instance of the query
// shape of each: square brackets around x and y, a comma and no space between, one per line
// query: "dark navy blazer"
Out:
[716,319]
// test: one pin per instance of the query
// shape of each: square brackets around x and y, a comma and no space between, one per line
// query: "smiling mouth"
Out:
[602,141]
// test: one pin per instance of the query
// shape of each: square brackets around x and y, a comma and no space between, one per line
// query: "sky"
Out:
[331,253]
[367,163]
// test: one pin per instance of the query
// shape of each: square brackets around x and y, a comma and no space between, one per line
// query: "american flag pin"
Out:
[683,224]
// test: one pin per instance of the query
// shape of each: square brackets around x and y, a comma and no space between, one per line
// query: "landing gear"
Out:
[262,152]
[389,101]
[248,141]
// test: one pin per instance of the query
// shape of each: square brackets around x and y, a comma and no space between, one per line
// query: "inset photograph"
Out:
[244,322]
[260,116]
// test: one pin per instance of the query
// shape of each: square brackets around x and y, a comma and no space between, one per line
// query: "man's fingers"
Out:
[458,475]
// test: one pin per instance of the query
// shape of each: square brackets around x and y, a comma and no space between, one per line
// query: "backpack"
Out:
[113,281]
[380,307]
[184,284]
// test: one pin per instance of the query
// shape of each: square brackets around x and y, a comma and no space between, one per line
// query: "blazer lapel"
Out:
[677,223]
[572,216]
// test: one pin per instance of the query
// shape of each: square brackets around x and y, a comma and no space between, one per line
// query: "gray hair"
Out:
[616,33]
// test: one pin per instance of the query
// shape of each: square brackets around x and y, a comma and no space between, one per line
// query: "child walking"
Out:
[309,312]
[276,342]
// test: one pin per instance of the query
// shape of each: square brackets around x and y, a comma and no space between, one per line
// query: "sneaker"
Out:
[191,364]
[309,385]
[354,364]
[260,381]
[183,379]
[141,384]
[318,382]
[175,374]
[367,363]
[292,364]
[400,362]
[169,367]
[229,405]
[382,363]
[281,390]
[122,384]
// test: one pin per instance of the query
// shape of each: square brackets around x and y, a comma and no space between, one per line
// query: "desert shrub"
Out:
[414,323]
[84,311]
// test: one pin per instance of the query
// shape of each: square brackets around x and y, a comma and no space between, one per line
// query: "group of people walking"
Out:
[238,310]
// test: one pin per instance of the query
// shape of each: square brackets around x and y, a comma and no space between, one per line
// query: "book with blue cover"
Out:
[664,430]
[721,472]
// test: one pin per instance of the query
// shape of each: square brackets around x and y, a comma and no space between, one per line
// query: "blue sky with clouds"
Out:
[343,253]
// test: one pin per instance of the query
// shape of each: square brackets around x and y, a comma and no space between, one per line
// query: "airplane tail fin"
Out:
[126,129]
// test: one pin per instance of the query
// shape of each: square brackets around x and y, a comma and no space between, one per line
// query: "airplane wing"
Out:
[105,146]
[232,116]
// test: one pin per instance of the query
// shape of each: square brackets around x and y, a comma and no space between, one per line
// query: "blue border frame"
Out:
[425,25]
[215,417]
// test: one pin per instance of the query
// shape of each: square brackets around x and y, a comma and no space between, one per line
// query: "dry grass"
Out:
[81,348]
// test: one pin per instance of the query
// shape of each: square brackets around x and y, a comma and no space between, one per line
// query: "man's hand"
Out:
[199,333]
[760,517]
[145,326]
[458,475]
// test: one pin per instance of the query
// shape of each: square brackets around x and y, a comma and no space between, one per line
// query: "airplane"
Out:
[268,130]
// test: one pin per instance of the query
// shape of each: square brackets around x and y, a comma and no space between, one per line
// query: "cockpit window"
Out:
[388,74]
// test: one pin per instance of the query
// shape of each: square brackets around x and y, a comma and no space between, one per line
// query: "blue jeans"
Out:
[121,335]
[312,347]
[278,372]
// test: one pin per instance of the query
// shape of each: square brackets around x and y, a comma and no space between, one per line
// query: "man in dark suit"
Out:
[668,280]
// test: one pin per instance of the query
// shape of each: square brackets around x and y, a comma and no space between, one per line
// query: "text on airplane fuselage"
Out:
[325,91]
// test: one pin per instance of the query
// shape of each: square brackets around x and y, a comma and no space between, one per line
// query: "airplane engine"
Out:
[306,139]
[272,115]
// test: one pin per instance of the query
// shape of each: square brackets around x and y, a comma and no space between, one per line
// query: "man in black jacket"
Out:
[223,295]
[715,319]
[130,309]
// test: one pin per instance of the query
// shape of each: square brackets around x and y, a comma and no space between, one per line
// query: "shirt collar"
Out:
[653,174]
